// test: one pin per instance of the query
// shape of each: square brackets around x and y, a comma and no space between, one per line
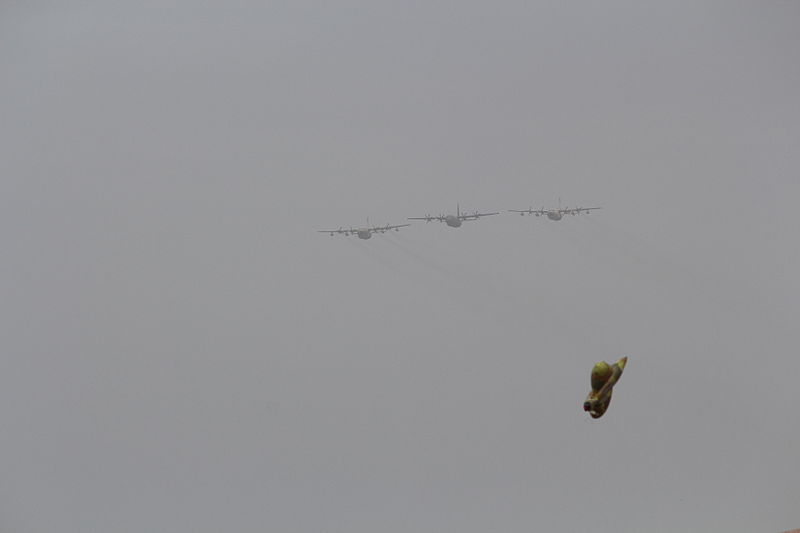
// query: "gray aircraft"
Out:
[363,233]
[454,221]
[555,214]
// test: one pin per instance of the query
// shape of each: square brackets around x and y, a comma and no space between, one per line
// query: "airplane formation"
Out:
[455,220]
[604,376]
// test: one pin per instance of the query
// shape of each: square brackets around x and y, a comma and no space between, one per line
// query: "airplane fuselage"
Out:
[452,221]
[554,215]
[364,234]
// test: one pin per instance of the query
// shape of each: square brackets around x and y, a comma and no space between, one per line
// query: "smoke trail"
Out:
[367,251]
[432,265]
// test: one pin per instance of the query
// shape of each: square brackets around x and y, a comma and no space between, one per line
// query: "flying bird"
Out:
[604,377]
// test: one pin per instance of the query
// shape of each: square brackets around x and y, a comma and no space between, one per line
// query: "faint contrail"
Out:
[423,260]
[367,251]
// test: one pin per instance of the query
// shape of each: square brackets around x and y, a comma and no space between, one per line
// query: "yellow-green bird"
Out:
[604,377]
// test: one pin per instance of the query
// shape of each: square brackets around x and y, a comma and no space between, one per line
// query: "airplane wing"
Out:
[335,231]
[579,210]
[427,218]
[475,215]
[529,211]
[387,227]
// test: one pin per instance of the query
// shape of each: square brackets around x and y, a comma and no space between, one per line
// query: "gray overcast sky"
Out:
[182,352]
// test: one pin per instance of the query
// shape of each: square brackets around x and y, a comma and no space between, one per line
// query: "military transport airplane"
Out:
[555,214]
[363,233]
[454,221]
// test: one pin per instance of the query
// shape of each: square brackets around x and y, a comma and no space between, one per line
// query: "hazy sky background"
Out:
[182,352]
